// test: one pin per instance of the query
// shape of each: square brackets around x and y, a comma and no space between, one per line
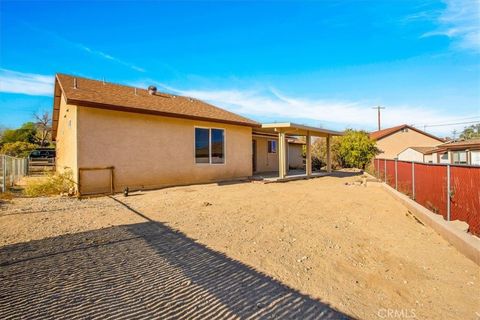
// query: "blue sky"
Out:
[323,63]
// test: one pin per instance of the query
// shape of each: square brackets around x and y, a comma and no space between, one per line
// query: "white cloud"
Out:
[85,48]
[460,21]
[26,83]
[106,56]
[269,103]
[340,114]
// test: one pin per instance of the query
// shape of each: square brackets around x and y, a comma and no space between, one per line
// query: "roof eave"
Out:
[296,126]
[97,105]
[410,127]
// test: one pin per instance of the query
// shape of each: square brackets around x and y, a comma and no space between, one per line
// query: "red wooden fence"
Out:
[428,183]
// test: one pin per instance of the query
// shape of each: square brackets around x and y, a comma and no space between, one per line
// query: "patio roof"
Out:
[297,129]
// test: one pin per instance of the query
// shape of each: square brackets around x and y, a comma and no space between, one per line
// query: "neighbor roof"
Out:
[466,143]
[105,95]
[473,144]
[295,140]
[380,134]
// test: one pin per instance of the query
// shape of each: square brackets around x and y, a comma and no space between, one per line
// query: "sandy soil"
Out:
[353,247]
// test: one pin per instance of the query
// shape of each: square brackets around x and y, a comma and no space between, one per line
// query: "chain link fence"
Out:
[11,171]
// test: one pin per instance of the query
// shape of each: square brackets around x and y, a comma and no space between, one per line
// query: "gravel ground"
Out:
[338,248]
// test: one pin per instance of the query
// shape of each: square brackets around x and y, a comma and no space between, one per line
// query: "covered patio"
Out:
[285,130]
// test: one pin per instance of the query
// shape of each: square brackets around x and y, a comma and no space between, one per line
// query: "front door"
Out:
[254,155]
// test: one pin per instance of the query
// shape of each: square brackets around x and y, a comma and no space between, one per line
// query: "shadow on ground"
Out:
[144,270]
[346,174]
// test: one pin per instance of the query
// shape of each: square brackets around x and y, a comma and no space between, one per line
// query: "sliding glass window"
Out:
[209,145]
[202,145]
[218,145]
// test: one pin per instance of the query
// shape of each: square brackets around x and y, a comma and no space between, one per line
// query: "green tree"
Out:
[26,133]
[356,149]
[319,153]
[18,148]
[471,132]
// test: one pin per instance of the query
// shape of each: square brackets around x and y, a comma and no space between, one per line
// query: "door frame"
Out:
[254,155]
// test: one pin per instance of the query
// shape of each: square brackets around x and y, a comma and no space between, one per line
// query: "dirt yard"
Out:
[353,248]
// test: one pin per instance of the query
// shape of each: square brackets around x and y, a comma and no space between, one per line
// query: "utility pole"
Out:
[454,132]
[378,115]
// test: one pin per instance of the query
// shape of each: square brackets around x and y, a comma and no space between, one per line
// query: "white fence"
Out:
[11,171]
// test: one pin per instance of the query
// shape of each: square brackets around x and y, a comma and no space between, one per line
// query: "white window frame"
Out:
[210,146]
[457,153]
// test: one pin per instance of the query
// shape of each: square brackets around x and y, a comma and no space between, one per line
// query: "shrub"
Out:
[54,184]
[356,149]
[18,149]
[317,163]
[26,133]
[319,153]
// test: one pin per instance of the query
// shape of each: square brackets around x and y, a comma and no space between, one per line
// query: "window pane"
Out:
[272,146]
[218,146]
[202,142]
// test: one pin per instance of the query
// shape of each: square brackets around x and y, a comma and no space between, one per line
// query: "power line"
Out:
[440,123]
[450,124]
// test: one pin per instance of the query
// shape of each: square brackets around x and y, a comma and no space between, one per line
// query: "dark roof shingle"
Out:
[99,94]
[380,134]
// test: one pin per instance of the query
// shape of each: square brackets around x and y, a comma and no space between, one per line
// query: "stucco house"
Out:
[456,152]
[392,141]
[417,154]
[111,136]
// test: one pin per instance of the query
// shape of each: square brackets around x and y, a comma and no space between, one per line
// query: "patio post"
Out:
[281,155]
[308,169]
[329,155]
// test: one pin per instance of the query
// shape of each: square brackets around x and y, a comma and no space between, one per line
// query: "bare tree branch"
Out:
[44,128]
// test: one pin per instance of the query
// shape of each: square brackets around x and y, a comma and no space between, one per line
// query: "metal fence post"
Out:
[4,173]
[396,174]
[413,180]
[448,192]
[385,173]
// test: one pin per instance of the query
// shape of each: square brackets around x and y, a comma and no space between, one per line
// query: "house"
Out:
[456,152]
[392,141]
[111,136]
[417,154]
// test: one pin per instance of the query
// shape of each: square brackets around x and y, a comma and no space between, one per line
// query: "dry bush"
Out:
[54,184]
[5,197]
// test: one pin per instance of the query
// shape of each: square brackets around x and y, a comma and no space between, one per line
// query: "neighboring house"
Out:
[418,154]
[295,153]
[459,152]
[392,141]
[112,136]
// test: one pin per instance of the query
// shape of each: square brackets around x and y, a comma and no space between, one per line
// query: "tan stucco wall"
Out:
[428,158]
[295,158]
[410,155]
[66,139]
[152,151]
[266,162]
[395,143]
